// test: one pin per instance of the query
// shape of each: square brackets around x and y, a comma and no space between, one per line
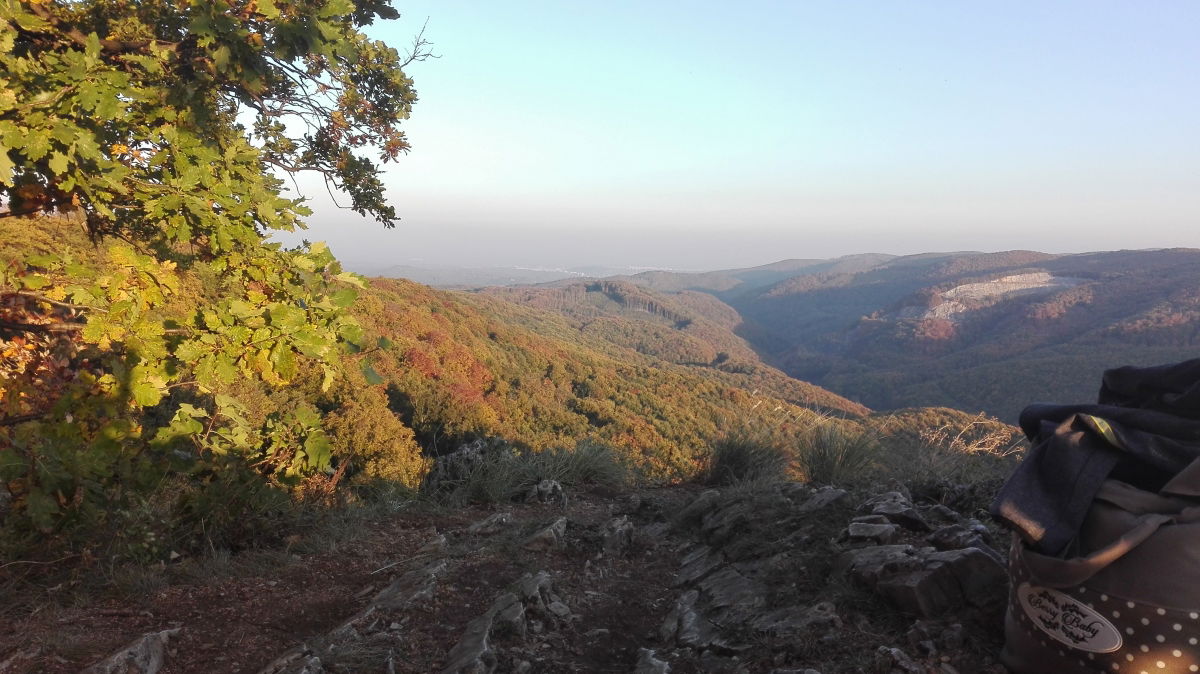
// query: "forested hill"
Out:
[973,331]
[461,365]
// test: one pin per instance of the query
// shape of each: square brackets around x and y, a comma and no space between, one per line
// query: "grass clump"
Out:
[502,473]
[749,454]
[961,461]
[836,453]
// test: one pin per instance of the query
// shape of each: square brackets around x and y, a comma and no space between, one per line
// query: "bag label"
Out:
[1073,623]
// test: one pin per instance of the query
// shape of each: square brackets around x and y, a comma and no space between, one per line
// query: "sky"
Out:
[707,135]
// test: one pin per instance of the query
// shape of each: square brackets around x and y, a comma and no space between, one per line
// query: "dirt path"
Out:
[238,616]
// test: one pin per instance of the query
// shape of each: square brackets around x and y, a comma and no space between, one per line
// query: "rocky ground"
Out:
[782,578]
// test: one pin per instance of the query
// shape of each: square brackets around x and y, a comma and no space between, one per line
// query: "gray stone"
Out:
[797,620]
[697,564]
[473,653]
[412,587]
[433,546]
[728,588]
[952,638]
[953,537]
[886,497]
[958,536]
[871,519]
[930,591]
[728,521]
[549,538]
[547,491]
[647,663]
[821,499]
[627,505]
[559,609]
[879,534]
[694,512]
[509,615]
[943,513]
[888,660]
[902,514]
[654,534]
[618,536]
[869,565]
[684,626]
[930,583]
[982,579]
[491,524]
[146,655]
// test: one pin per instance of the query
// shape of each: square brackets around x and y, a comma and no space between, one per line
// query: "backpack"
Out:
[1104,566]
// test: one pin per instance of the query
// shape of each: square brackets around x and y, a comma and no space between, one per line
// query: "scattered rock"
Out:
[435,545]
[144,656]
[653,535]
[862,532]
[547,491]
[943,513]
[799,620]
[684,626]
[618,535]
[697,564]
[892,660]
[903,514]
[886,497]
[698,508]
[549,538]
[473,653]
[871,519]
[821,499]
[926,582]
[647,663]
[869,565]
[491,524]
[509,615]
[627,505]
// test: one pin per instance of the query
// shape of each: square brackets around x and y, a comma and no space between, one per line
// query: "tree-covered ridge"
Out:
[460,365]
[685,328]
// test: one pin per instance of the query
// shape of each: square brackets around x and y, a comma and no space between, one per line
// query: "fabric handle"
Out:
[1061,573]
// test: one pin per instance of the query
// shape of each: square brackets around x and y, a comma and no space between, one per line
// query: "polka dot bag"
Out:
[1127,597]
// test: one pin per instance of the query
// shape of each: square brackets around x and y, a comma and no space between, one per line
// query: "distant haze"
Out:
[714,135]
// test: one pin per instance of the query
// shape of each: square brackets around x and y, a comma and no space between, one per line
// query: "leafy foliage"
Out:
[160,129]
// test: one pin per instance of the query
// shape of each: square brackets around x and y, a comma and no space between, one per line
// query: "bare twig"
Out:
[23,561]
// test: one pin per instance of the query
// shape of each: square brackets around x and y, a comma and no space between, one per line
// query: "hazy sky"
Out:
[716,134]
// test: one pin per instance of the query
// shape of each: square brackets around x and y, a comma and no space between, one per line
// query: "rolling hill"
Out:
[973,331]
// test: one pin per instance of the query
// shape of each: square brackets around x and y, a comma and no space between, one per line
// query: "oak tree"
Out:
[166,129]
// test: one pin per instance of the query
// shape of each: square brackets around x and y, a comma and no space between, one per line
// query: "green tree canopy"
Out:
[166,127]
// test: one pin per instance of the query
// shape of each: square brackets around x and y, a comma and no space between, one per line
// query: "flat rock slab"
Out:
[147,655]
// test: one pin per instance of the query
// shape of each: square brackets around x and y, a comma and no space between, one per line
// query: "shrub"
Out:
[234,509]
[366,432]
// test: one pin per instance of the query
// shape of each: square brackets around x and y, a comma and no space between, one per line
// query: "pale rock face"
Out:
[960,299]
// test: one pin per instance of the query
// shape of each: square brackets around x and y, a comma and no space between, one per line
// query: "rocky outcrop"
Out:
[380,624]
[147,655]
[783,578]
[521,615]
[778,567]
